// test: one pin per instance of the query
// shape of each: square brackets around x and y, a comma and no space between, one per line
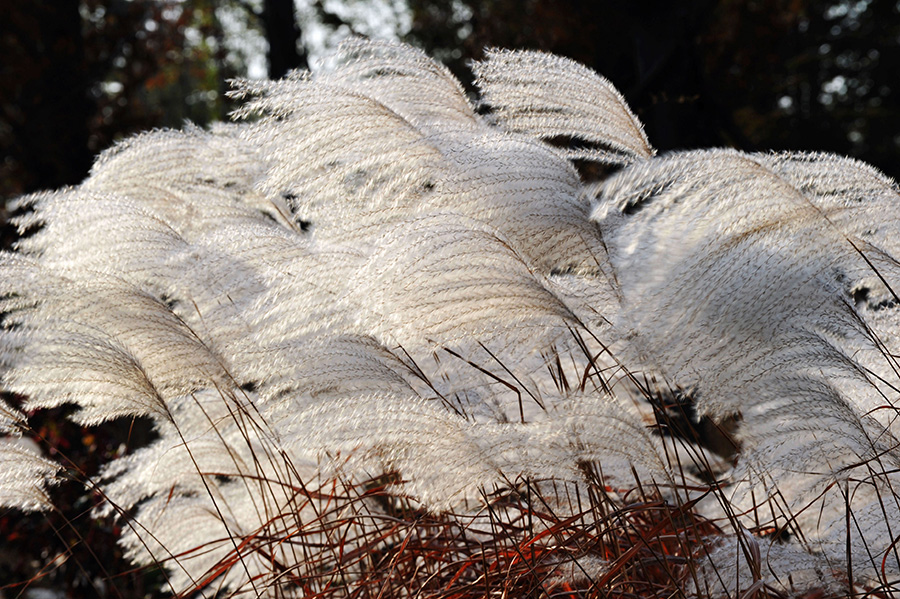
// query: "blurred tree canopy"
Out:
[753,74]
[78,75]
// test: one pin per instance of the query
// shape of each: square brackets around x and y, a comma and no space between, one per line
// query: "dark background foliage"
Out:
[752,74]
[75,76]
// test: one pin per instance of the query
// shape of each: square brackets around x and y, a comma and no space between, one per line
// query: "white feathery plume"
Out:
[553,97]
[741,282]
[732,571]
[98,342]
[193,180]
[442,278]
[405,80]
[24,475]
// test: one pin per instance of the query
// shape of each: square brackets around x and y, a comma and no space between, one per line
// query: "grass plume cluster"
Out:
[394,342]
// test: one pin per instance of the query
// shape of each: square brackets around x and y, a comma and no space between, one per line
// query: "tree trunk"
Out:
[283,36]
